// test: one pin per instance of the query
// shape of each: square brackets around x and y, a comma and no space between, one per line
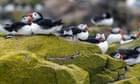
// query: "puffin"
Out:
[79,32]
[98,40]
[128,38]
[115,35]
[67,33]
[106,19]
[102,44]
[84,31]
[39,25]
[130,56]
[18,28]
[133,4]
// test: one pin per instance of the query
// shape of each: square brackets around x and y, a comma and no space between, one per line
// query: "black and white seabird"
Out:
[76,32]
[115,35]
[128,38]
[105,19]
[18,28]
[40,25]
[129,56]
[100,41]
[84,31]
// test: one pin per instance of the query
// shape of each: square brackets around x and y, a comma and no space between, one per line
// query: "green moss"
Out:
[131,45]
[33,59]
[95,65]
[26,68]
[44,46]
[121,71]
[112,48]
[92,63]
[128,81]
[133,71]
[74,75]
[104,77]
[113,64]
[18,68]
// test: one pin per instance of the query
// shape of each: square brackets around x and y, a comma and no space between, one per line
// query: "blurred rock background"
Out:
[73,12]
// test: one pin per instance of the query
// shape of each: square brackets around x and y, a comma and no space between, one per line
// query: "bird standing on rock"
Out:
[40,25]
[76,32]
[18,28]
[115,35]
[129,56]
[105,20]
[99,40]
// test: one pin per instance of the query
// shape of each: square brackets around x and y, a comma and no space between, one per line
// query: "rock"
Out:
[131,45]
[128,81]
[25,67]
[114,64]
[54,59]
[133,71]
[104,77]
[113,48]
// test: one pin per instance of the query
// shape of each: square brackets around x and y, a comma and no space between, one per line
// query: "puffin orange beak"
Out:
[139,24]
[87,28]
[101,38]
[30,20]
[121,31]
[121,56]
[138,34]
[123,38]
[29,14]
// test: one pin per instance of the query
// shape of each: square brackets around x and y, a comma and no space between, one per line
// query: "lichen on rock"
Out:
[27,60]
[26,67]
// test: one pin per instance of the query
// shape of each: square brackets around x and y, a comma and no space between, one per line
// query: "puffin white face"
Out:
[26,19]
[117,30]
[137,49]
[100,36]
[118,56]
[36,16]
[83,27]
[130,2]
[104,15]
[69,32]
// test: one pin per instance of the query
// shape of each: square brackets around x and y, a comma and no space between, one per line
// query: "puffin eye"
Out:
[23,18]
[35,14]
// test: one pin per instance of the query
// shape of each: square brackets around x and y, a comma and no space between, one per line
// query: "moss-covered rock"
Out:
[131,45]
[133,71]
[114,64]
[128,81]
[58,60]
[43,46]
[112,48]
[104,77]
[26,68]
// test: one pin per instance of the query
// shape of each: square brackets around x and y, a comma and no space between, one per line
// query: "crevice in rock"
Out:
[65,58]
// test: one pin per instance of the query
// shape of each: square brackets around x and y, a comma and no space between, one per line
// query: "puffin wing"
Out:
[91,39]
[15,26]
[45,23]
[97,19]
[57,22]
[75,30]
